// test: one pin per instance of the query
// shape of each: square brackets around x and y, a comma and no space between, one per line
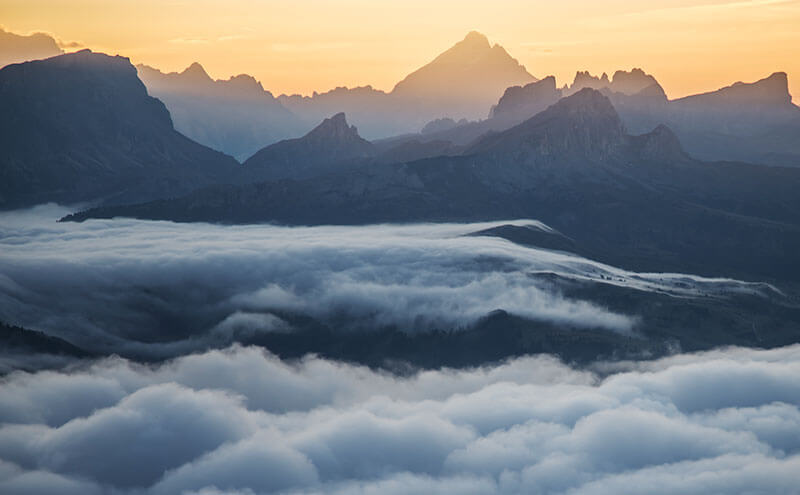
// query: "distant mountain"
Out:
[584,125]
[462,82]
[624,82]
[639,202]
[519,103]
[741,109]
[236,116]
[376,113]
[15,48]
[319,152]
[746,121]
[754,122]
[81,127]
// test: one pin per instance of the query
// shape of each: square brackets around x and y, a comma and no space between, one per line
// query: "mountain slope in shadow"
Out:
[81,127]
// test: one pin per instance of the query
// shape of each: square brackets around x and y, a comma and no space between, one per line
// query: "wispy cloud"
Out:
[311,47]
[189,41]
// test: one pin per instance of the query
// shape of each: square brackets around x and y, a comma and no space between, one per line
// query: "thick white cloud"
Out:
[165,288]
[242,421]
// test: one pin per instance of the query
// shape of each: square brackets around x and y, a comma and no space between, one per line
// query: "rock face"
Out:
[584,124]
[522,102]
[81,127]
[236,116]
[320,152]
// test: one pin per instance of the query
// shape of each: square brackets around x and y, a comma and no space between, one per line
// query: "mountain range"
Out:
[470,89]
[640,202]
[462,82]
[754,122]
[237,116]
[593,160]
[751,122]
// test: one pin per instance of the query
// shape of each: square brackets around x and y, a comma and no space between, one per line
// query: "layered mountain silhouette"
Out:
[324,150]
[81,127]
[236,116]
[754,122]
[635,201]
[745,121]
[462,82]
[517,104]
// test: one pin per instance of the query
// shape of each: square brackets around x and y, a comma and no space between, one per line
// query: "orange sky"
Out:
[306,45]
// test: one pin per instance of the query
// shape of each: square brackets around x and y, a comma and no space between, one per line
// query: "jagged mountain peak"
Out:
[335,128]
[465,80]
[660,145]
[245,82]
[626,82]
[523,102]
[632,82]
[584,79]
[474,39]
[332,143]
[196,72]
[582,124]
[587,101]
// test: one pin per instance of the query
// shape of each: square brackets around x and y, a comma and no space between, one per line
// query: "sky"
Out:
[308,45]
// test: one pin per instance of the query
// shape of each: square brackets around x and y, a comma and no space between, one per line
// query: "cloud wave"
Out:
[120,284]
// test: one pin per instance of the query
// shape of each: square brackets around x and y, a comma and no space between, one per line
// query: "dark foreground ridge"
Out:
[81,127]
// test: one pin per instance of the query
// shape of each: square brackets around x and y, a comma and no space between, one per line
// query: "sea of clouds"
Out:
[240,420]
[166,289]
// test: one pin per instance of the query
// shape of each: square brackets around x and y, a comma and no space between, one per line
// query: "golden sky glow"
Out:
[306,45]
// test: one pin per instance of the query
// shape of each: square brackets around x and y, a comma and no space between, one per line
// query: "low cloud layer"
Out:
[120,284]
[242,421]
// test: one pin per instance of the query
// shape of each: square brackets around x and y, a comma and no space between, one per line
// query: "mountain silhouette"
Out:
[585,124]
[236,116]
[81,127]
[317,153]
[466,79]
[462,82]
[519,103]
[625,82]
[636,201]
